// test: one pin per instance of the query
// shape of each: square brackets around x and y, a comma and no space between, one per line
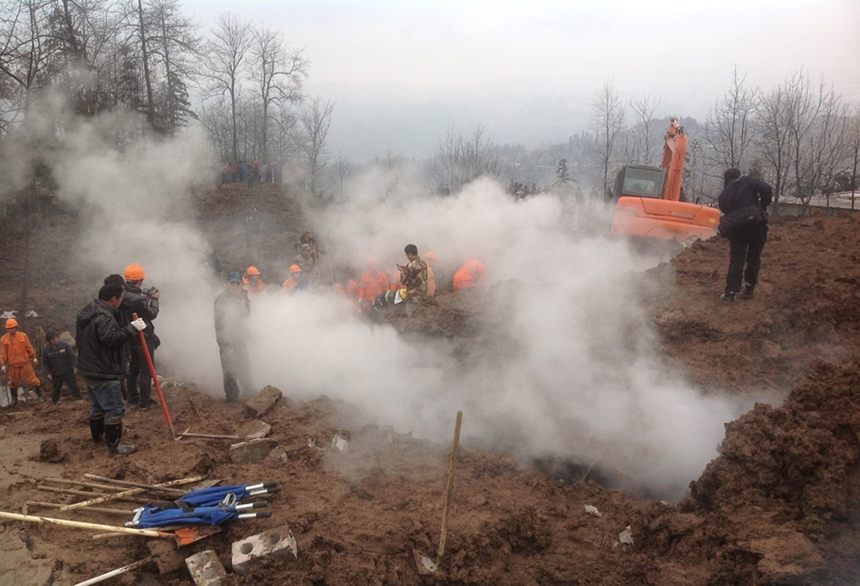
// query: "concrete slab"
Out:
[275,542]
[251,451]
[262,402]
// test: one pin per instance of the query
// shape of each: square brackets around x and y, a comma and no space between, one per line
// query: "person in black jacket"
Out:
[59,360]
[745,200]
[232,308]
[102,363]
[145,305]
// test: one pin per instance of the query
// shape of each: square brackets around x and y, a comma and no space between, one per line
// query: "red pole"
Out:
[155,380]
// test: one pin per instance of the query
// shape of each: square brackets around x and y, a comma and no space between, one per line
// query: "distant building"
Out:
[820,204]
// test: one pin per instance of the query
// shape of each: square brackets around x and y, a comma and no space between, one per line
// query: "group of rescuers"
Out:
[373,295]
[110,333]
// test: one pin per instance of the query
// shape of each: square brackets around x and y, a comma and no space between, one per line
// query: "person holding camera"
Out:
[143,302]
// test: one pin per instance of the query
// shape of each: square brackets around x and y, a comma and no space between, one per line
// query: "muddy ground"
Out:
[778,506]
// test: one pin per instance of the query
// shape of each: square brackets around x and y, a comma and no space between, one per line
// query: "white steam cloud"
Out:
[571,369]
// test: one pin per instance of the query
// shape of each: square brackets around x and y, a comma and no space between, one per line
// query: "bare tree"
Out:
[817,124]
[342,169]
[25,50]
[226,51]
[443,166]
[729,128]
[854,149]
[142,37]
[774,138]
[278,72]
[607,121]
[479,156]
[176,44]
[316,120]
[644,108]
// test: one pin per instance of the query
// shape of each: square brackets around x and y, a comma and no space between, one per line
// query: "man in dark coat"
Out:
[145,305]
[746,198]
[102,363]
[59,360]
[232,308]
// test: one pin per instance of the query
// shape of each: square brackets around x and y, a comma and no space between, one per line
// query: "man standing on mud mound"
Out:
[413,276]
[16,352]
[232,308]
[145,305]
[744,202]
[102,363]
[59,360]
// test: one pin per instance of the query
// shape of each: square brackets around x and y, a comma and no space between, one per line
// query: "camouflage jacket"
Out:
[414,279]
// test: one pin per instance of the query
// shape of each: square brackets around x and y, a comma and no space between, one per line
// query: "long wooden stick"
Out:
[88,494]
[153,488]
[87,526]
[87,510]
[117,572]
[131,492]
[208,436]
[101,487]
[450,486]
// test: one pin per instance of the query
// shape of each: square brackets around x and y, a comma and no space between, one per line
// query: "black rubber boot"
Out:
[113,437]
[97,428]
[13,396]
[748,292]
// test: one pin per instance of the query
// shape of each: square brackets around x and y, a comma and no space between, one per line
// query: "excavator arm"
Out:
[674,155]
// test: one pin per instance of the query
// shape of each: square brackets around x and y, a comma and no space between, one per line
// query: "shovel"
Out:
[182,536]
[155,380]
[424,563]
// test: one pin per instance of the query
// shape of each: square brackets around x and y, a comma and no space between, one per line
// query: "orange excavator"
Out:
[649,203]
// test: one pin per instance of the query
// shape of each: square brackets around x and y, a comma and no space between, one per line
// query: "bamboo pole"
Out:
[87,526]
[449,489]
[130,492]
[87,510]
[102,487]
[153,488]
[117,572]
[87,494]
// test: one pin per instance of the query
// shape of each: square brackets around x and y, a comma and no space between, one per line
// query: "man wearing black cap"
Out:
[232,308]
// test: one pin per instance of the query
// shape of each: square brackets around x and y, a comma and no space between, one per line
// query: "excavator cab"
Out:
[647,199]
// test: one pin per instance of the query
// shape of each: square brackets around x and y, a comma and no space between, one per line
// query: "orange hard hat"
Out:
[134,273]
[295,269]
[430,255]
[11,323]
[252,271]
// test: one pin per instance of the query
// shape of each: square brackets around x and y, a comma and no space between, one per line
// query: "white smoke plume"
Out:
[572,370]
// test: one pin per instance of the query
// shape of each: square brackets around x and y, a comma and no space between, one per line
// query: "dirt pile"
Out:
[781,503]
[807,307]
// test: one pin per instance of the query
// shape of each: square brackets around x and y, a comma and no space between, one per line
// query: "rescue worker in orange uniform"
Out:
[471,275]
[294,283]
[372,283]
[430,259]
[16,355]
[347,287]
[252,281]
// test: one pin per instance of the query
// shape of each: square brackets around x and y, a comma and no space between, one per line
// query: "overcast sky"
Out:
[402,72]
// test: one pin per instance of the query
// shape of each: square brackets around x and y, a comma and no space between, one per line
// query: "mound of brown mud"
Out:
[806,308]
[781,504]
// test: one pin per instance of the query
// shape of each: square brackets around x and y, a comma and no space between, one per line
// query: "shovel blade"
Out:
[188,535]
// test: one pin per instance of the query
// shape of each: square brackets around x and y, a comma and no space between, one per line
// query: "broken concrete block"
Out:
[251,451]
[206,569]
[593,511]
[255,430]
[339,443]
[262,402]
[275,542]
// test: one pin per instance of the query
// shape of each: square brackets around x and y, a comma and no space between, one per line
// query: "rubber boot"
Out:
[13,396]
[748,292]
[97,428]
[113,437]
